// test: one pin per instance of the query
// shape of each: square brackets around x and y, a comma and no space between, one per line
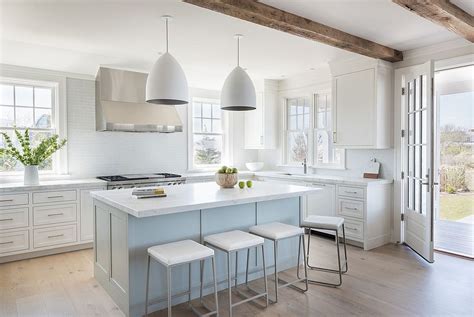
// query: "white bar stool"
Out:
[180,253]
[275,232]
[332,224]
[235,241]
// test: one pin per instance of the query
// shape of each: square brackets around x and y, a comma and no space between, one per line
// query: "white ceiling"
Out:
[78,36]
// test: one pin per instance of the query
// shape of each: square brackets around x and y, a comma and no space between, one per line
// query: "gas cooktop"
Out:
[134,177]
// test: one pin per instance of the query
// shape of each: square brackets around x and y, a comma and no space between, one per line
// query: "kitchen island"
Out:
[125,227]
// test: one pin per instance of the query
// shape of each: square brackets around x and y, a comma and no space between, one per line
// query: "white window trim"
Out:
[284,135]
[226,148]
[314,163]
[31,76]
[309,158]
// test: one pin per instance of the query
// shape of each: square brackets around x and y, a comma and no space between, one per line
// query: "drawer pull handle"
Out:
[351,208]
[57,214]
[58,196]
[6,219]
[349,192]
[6,200]
[353,229]
[8,242]
[56,236]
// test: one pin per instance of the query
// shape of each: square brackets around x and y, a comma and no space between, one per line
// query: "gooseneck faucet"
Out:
[305,166]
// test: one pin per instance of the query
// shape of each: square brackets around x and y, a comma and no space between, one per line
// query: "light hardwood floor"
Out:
[388,281]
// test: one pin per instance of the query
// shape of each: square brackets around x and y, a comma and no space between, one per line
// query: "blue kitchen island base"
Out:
[121,242]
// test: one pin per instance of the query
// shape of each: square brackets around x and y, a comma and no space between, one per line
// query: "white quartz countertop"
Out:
[325,178]
[51,184]
[197,196]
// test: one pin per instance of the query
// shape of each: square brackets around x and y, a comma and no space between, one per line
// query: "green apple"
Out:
[228,170]
[241,184]
[224,168]
[234,170]
[249,184]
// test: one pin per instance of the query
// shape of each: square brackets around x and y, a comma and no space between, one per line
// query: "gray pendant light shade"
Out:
[166,83]
[238,92]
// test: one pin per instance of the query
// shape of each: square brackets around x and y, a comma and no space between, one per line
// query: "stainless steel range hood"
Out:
[121,106]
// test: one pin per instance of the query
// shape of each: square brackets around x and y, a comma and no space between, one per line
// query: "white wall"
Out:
[93,153]
[356,160]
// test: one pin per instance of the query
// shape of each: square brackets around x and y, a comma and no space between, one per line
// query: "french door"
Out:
[418,161]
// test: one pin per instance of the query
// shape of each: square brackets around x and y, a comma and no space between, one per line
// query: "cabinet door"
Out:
[323,202]
[354,105]
[87,214]
[253,124]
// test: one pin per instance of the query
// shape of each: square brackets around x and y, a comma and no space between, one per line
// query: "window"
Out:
[207,136]
[27,105]
[299,128]
[325,155]
[309,132]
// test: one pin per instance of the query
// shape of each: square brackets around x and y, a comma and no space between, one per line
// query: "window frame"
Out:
[312,148]
[192,167]
[23,76]
[287,131]
[328,129]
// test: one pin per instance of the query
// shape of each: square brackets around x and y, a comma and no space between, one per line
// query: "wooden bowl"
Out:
[227,180]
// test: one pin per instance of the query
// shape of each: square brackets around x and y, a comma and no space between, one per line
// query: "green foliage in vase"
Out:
[28,155]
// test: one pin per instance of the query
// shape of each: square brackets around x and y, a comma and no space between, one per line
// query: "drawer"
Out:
[44,215]
[354,229]
[14,218]
[14,199]
[351,208]
[14,241]
[46,237]
[356,192]
[50,197]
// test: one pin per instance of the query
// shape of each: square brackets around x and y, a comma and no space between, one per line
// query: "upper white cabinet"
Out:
[261,124]
[362,98]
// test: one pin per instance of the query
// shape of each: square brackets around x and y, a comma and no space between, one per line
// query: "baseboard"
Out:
[40,253]
[377,242]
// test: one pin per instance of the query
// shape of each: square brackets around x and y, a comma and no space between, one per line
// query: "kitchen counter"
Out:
[197,196]
[125,227]
[51,185]
[358,181]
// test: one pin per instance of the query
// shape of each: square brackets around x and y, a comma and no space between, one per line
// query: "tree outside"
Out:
[206,151]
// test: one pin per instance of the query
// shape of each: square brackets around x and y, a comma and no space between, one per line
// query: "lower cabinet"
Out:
[366,209]
[87,214]
[36,223]
[322,203]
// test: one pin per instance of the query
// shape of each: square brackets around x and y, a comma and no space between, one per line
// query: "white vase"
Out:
[31,175]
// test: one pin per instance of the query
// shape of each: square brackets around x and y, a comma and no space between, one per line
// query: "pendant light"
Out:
[166,84]
[238,93]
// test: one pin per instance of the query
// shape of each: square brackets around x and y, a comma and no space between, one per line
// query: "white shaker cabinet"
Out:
[322,203]
[362,99]
[87,214]
[260,125]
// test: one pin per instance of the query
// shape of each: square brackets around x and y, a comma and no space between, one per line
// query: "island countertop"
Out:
[189,197]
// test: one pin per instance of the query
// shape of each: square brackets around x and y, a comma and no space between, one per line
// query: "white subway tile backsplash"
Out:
[92,153]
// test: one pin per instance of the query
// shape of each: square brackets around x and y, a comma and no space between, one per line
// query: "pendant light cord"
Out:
[238,51]
[167,35]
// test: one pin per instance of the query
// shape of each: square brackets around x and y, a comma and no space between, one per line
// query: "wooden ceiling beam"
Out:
[262,14]
[444,13]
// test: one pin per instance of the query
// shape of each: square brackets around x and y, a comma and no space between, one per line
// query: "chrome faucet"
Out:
[305,166]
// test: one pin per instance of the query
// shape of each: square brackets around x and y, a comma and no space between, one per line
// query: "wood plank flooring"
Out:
[388,281]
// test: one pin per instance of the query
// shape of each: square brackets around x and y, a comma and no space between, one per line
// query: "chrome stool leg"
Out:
[147,285]
[168,269]
[340,270]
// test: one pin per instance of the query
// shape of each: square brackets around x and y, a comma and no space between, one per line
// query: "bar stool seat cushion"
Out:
[323,222]
[180,252]
[234,240]
[276,230]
